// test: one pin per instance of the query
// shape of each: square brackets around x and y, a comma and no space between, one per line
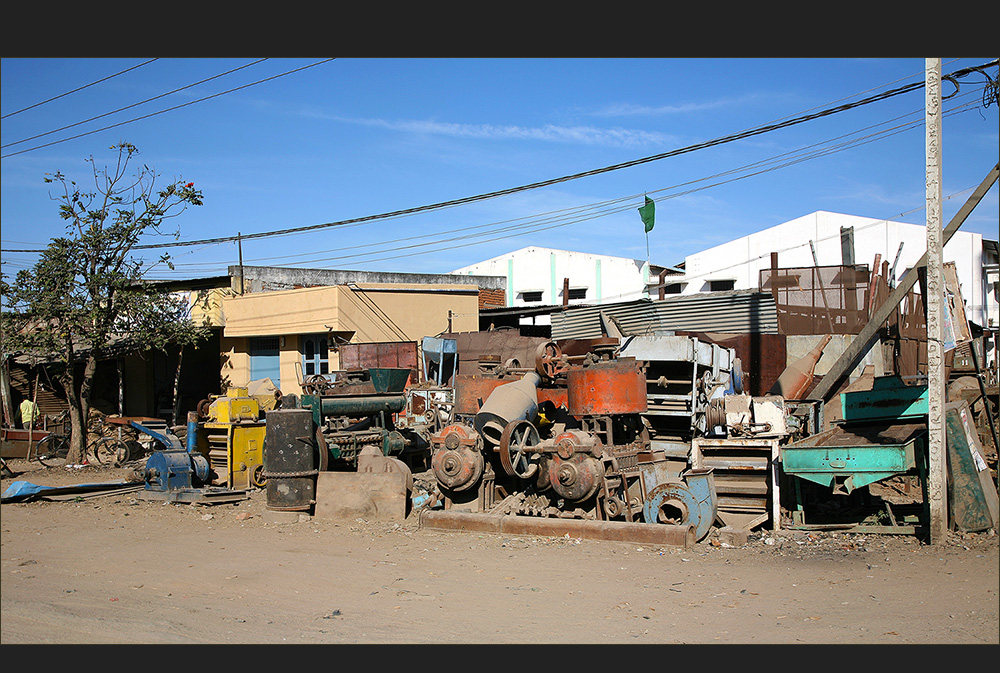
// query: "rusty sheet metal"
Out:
[617,531]
[607,388]
[734,311]
[471,391]
[819,299]
[390,354]
[558,396]
[504,344]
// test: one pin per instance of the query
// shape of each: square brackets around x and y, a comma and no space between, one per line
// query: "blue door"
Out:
[265,359]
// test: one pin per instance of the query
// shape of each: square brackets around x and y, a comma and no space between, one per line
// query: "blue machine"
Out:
[687,499]
[178,473]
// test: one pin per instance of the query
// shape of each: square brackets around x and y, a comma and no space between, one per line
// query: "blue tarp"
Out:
[24,491]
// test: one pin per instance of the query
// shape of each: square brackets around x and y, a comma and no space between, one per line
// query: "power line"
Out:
[127,107]
[10,114]
[730,138]
[170,109]
[545,183]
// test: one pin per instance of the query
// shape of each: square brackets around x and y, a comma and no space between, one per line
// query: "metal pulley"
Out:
[515,447]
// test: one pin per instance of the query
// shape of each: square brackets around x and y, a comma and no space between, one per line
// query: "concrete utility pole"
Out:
[936,443]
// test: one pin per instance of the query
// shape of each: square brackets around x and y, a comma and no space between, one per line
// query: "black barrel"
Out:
[290,460]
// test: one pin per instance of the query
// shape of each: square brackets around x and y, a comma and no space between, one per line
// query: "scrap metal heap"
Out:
[371,407]
[565,439]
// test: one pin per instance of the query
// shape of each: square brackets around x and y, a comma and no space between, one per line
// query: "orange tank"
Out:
[607,388]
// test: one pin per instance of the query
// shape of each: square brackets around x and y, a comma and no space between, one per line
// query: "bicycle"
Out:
[52,450]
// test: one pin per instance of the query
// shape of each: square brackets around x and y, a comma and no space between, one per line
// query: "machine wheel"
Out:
[51,451]
[257,477]
[322,450]
[515,445]
[548,360]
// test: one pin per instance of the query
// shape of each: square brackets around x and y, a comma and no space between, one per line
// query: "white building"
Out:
[538,277]
[831,237]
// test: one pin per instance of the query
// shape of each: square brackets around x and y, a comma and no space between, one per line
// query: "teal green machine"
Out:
[883,435]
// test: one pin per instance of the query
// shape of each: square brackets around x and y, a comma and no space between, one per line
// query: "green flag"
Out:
[647,212]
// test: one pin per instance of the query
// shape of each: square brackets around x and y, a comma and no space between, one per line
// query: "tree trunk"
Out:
[78,433]
[79,409]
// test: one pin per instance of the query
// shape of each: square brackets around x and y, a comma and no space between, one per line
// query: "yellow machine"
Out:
[232,436]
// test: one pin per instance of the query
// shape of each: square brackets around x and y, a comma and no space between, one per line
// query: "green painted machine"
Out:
[356,411]
[883,437]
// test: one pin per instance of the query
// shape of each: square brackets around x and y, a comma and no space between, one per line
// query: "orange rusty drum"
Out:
[607,388]
[471,391]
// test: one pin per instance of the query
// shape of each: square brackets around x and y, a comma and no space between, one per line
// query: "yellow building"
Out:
[286,335]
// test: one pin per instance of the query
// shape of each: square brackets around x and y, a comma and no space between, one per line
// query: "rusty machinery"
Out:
[365,408]
[564,439]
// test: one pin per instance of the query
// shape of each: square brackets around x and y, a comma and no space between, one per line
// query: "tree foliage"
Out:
[86,298]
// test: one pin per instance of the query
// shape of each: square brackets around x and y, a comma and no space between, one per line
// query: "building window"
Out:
[721,285]
[673,288]
[315,356]
[531,295]
[578,293]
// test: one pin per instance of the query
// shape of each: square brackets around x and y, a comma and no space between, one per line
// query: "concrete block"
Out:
[284,516]
[734,537]
[375,496]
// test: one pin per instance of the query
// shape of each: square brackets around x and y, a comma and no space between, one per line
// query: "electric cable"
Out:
[545,183]
[579,214]
[756,131]
[79,88]
[127,107]
[170,109]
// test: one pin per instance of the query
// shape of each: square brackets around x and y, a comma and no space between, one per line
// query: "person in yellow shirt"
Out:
[29,413]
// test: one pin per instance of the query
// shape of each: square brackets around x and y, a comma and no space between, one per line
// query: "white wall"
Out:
[606,279]
[743,258]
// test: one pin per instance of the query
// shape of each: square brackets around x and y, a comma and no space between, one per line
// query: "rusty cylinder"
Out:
[577,478]
[290,460]
[505,524]
[607,389]
[516,401]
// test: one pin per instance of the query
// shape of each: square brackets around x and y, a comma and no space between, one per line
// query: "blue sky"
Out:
[296,142]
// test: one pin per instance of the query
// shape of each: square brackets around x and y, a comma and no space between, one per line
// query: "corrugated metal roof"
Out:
[733,312]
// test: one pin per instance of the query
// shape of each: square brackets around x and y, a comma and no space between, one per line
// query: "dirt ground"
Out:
[117,569]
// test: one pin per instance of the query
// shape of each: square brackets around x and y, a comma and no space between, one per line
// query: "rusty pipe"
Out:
[616,531]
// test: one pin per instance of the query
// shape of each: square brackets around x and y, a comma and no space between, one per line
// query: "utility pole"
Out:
[936,443]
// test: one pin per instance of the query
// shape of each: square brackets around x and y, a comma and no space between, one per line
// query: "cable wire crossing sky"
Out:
[430,165]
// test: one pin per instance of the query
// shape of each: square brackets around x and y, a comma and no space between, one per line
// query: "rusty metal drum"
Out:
[607,389]
[290,460]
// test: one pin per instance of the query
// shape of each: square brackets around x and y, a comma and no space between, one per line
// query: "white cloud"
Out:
[584,135]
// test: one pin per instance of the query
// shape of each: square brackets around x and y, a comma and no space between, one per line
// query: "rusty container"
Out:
[607,388]
[290,460]
[472,391]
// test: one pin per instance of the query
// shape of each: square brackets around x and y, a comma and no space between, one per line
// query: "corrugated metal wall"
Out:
[733,312]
